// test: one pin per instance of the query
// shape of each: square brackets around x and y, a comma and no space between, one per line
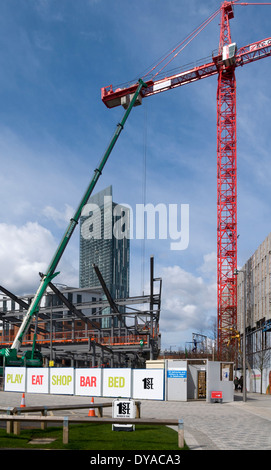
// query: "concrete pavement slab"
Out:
[236,425]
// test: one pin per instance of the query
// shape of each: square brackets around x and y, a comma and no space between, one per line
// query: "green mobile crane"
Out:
[9,356]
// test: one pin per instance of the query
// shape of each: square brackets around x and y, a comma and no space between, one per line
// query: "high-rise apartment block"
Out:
[104,241]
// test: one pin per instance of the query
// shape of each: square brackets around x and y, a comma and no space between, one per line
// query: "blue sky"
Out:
[55,55]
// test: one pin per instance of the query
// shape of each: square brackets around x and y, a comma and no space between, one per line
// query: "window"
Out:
[226,371]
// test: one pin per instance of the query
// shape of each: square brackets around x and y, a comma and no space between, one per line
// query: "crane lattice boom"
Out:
[245,55]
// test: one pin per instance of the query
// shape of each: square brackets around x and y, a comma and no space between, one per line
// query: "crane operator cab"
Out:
[228,54]
[126,100]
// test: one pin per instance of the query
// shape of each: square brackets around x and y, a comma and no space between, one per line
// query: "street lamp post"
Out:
[244,331]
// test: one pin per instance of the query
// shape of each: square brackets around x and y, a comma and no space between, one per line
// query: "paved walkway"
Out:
[207,426]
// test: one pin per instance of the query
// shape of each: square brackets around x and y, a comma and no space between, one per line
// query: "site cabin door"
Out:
[201,384]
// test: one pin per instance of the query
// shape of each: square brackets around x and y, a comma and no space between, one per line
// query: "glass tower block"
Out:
[104,241]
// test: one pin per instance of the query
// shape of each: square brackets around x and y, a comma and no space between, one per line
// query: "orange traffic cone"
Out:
[23,401]
[91,410]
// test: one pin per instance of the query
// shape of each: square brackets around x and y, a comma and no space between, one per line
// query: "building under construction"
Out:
[68,329]
[130,320]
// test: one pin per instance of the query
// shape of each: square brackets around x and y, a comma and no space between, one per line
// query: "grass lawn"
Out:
[95,437]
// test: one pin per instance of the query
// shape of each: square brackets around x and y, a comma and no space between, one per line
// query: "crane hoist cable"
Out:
[184,43]
[150,74]
[176,52]
[144,185]
[167,57]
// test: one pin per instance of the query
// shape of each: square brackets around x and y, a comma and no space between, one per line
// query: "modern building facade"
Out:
[105,242]
[254,302]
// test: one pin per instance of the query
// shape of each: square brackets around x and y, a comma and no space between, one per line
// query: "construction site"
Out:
[91,326]
[68,329]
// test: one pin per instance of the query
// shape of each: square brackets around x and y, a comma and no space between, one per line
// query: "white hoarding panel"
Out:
[176,380]
[15,378]
[61,380]
[37,380]
[117,382]
[148,384]
[88,382]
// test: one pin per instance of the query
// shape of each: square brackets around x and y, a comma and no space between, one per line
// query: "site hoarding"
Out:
[117,382]
[37,380]
[88,382]
[15,378]
[61,381]
[148,384]
[176,381]
[176,376]
[91,382]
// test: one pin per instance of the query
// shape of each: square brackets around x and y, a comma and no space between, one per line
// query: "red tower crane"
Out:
[222,64]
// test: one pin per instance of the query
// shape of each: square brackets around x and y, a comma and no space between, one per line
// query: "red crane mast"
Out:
[226,187]
[222,64]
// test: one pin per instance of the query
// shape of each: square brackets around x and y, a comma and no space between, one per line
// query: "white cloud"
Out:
[24,252]
[209,266]
[59,217]
[188,302]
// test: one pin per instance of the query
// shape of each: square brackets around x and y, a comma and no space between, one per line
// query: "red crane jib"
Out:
[255,51]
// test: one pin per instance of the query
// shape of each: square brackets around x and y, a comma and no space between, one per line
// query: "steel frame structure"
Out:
[134,336]
[132,340]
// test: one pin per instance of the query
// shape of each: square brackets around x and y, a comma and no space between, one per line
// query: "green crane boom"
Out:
[11,353]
